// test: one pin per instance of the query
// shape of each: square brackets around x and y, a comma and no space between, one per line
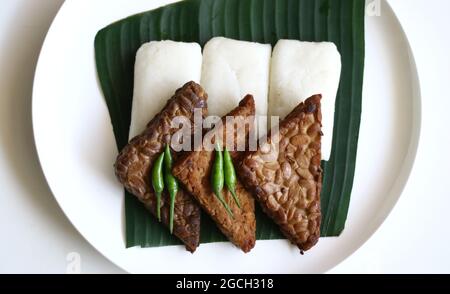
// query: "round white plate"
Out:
[76,147]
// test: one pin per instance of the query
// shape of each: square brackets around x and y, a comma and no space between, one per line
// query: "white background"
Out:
[36,237]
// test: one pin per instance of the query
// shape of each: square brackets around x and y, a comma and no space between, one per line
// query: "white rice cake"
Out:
[232,69]
[300,70]
[161,68]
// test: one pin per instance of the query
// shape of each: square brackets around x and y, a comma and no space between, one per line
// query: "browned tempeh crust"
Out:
[287,180]
[193,170]
[133,164]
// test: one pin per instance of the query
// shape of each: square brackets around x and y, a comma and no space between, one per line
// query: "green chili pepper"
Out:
[230,175]
[217,178]
[171,184]
[158,182]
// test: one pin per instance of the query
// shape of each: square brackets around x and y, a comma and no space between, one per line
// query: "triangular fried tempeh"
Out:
[133,165]
[285,175]
[193,171]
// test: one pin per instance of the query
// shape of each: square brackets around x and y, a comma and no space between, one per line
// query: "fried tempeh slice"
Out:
[133,165]
[285,175]
[193,171]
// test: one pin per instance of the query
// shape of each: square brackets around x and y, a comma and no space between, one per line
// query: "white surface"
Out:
[36,236]
[300,70]
[396,247]
[415,238]
[92,199]
[232,69]
[161,68]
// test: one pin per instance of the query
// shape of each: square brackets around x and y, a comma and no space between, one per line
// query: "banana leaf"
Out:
[265,21]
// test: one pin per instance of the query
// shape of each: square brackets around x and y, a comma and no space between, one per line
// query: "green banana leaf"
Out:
[265,21]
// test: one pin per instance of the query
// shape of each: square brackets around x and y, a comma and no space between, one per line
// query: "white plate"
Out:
[76,147]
